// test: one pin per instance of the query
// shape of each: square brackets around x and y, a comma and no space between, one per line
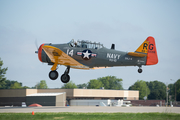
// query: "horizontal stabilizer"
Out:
[135,54]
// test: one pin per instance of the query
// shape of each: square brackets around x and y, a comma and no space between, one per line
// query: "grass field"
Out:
[89,116]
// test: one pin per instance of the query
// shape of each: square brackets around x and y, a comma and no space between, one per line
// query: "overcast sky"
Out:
[124,23]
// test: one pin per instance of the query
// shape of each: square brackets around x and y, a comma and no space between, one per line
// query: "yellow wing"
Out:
[57,56]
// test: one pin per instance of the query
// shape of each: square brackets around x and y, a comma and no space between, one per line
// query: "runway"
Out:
[90,109]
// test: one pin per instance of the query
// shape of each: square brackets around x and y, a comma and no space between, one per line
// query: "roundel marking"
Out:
[86,54]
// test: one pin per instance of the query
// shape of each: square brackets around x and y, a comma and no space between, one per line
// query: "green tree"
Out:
[69,85]
[142,87]
[171,90]
[157,95]
[25,87]
[42,85]
[16,85]
[177,89]
[111,82]
[3,85]
[157,90]
[94,84]
[84,85]
[8,84]
[2,72]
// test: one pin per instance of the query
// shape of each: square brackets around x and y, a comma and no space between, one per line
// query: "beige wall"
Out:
[133,93]
[98,93]
[31,91]
[61,100]
[13,93]
[71,93]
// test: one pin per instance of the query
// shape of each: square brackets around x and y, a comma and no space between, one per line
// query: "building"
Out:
[60,97]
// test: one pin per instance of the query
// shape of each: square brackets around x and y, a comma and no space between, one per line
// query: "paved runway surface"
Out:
[90,109]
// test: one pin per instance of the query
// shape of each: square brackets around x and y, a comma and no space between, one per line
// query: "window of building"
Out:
[125,98]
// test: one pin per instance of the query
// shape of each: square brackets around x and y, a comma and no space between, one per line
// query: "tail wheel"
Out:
[139,70]
[65,78]
[53,75]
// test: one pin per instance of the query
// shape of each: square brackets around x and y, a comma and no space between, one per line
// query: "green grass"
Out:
[89,116]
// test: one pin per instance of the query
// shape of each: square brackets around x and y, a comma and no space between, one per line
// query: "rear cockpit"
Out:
[85,44]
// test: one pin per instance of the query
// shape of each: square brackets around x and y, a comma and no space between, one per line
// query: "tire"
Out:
[139,70]
[65,78]
[53,75]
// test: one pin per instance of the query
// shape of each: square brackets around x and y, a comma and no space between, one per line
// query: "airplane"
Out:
[83,54]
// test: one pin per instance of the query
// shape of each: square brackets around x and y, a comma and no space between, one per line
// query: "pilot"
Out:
[75,44]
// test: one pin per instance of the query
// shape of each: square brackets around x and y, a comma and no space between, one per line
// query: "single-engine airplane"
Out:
[91,55]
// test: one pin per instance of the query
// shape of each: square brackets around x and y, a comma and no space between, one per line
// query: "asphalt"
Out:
[90,109]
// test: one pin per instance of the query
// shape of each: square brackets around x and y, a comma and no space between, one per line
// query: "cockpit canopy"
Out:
[85,44]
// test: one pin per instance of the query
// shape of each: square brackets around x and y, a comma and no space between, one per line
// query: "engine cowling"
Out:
[42,55]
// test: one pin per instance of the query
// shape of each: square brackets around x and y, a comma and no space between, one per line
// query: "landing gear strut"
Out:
[140,70]
[65,77]
[53,74]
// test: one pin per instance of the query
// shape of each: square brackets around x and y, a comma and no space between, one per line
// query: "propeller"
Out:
[36,46]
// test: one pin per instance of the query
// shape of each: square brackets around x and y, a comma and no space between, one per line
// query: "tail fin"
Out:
[143,48]
[152,57]
[149,47]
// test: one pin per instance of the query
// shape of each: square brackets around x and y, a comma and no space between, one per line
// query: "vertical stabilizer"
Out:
[147,49]
[143,48]
[152,57]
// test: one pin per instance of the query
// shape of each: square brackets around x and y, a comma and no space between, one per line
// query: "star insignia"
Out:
[86,54]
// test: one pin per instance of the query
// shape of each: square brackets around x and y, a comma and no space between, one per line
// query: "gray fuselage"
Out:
[97,57]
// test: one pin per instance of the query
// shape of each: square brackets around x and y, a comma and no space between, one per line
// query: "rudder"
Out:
[152,57]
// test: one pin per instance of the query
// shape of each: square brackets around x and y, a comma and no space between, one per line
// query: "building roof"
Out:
[45,94]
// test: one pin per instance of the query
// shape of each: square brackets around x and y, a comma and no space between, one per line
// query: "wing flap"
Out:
[57,56]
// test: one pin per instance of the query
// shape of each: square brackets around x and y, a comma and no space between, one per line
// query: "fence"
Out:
[148,102]
[176,103]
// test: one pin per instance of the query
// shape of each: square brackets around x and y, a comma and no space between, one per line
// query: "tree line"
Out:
[153,90]
[11,84]
[108,82]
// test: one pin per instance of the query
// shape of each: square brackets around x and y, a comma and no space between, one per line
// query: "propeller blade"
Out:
[36,46]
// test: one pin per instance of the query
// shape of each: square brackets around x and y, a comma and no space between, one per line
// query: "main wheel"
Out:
[139,70]
[65,78]
[53,75]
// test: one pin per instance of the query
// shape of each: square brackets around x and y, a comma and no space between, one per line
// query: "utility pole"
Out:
[146,90]
[174,90]
[167,96]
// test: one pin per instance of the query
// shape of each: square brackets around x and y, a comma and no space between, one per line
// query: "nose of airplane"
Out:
[39,52]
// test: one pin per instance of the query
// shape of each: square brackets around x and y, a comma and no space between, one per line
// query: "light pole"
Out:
[167,96]
[175,90]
